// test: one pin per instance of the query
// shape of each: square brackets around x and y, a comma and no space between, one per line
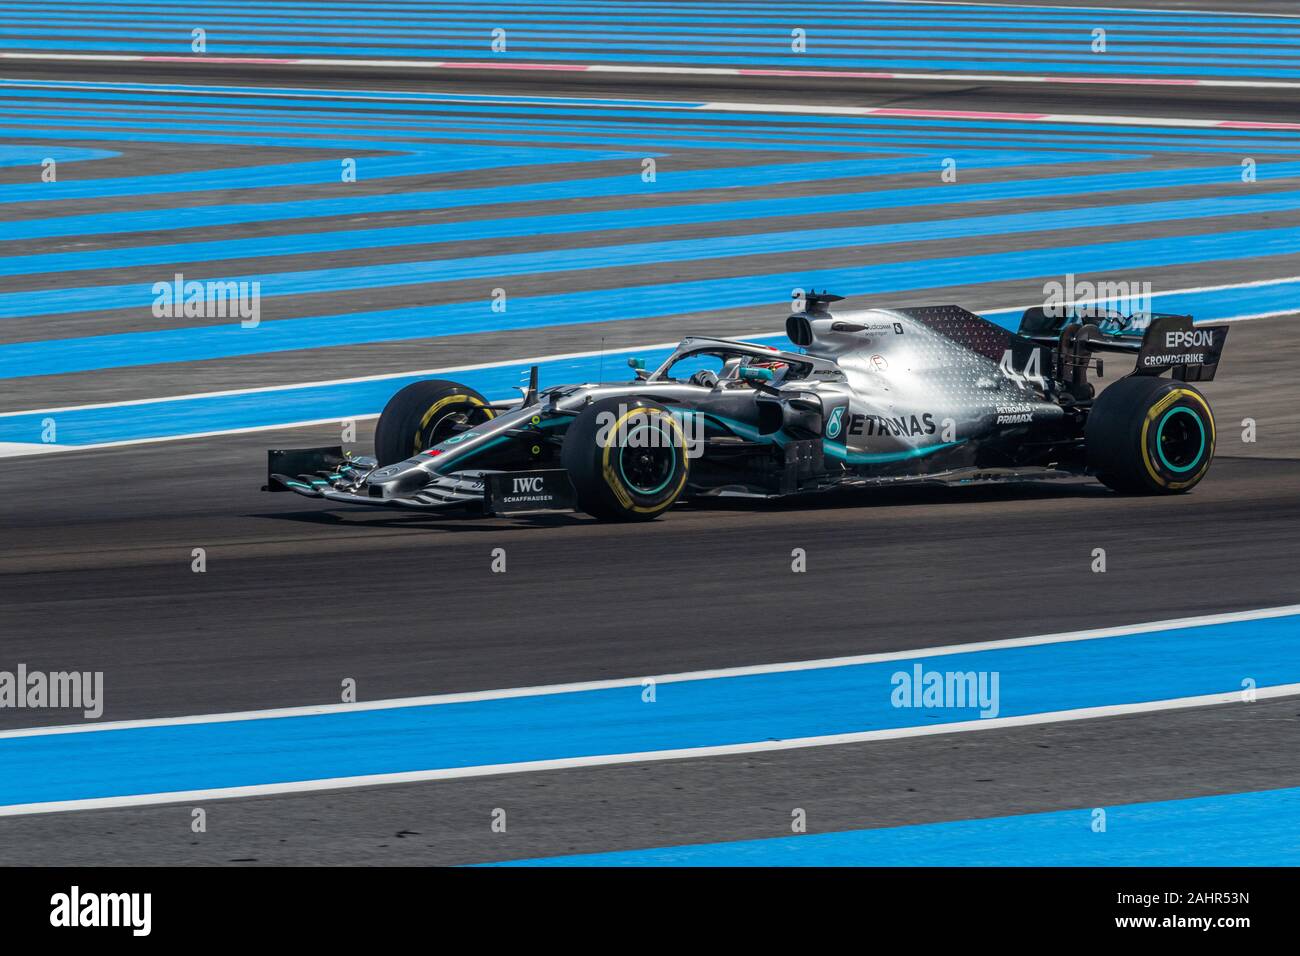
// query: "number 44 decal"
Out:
[1033,372]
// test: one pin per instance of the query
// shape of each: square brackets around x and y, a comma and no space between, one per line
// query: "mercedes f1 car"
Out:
[870,397]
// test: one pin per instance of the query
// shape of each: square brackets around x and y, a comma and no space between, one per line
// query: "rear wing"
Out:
[1172,342]
[1168,342]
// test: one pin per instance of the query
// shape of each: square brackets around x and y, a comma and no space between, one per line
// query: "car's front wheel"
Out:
[423,414]
[627,459]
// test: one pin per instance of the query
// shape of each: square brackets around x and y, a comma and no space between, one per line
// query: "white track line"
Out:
[995,116]
[718,106]
[1190,290]
[13,449]
[21,449]
[562,357]
[652,756]
[569,763]
[1093,634]
[535,360]
[653,70]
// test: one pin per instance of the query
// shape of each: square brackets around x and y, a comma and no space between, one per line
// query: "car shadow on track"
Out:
[854,498]
[413,520]
[910,495]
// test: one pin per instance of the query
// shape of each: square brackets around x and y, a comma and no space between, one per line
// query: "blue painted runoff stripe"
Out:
[649,38]
[552,260]
[669,182]
[339,401]
[1184,660]
[921,44]
[273,106]
[1180,64]
[58,356]
[952,23]
[13,154]
[828,14]
[857,19]
[688,130]
[308,403]
[1236,829]
[421,159]
[626,219]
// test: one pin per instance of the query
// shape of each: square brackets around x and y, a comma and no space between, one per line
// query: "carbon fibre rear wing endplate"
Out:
[1172,342]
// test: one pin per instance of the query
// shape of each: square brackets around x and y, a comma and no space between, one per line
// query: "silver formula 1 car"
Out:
[864,397]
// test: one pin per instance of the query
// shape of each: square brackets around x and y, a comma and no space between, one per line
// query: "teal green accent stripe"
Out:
[746,431]
[635,487]
[866,458]
[1160,430]
[457,459]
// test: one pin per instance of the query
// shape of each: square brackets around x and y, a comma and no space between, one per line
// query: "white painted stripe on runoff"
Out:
[23,449]
[10,449]
[650,756]
[649,69]
[721,106]
[992,115]
[1259,315]
[714,106]
[566,356]
[534,360]
[544,690]
[305,92]
[20,449]
[1194,290]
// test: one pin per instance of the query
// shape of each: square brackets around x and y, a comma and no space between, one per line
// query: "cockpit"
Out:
[729,366]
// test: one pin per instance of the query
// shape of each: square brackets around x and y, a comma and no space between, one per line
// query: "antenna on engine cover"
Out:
[817,301]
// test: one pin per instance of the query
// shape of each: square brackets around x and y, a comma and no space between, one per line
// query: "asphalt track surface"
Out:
[96,567]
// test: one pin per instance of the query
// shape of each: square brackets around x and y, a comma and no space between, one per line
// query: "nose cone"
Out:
[399,480]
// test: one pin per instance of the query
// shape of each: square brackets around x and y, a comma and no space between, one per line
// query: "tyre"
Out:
[423,414]
[626,458]
[1148,435]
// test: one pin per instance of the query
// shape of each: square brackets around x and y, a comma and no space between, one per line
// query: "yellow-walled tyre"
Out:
[627,459]
[1148,435]
[423,414]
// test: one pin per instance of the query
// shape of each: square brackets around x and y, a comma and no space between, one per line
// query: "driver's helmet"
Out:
[777,367]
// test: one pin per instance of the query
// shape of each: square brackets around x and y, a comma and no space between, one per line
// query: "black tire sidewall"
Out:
[601,488]
[411,417]
[1123,433]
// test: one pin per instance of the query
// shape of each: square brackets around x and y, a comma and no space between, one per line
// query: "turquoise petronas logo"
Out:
[833,425]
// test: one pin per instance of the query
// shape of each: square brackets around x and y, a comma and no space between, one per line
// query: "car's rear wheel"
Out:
[1149,435]
[423,414]
[627,459]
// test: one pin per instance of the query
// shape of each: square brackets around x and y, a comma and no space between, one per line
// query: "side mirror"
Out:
[750,374]
[637,365]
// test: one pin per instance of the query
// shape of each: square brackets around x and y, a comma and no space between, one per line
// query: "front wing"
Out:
[331,474]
